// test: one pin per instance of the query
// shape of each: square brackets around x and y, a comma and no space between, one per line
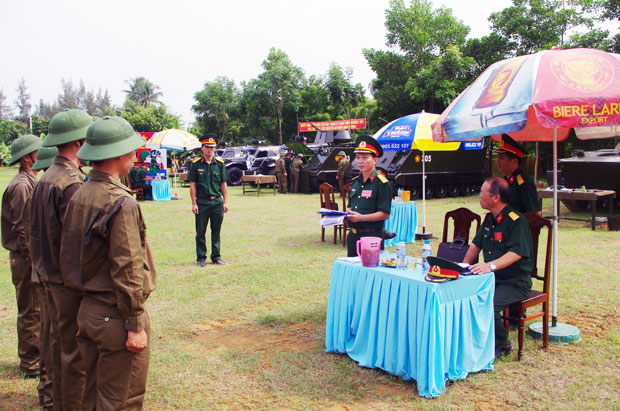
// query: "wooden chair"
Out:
[463,217]
[328,200]
[536,223]
[346,190]
[139,193]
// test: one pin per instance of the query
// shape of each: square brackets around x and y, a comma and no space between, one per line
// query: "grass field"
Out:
[250,335]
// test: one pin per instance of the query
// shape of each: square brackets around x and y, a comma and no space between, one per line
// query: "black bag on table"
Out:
[454,251]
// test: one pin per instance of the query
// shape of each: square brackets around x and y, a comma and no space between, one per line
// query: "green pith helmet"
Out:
[67,126]
[23,146]
[45,158]
[342,154]
[109,137]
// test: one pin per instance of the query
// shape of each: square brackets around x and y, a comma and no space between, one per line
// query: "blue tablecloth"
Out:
[400,323]
[403,221]
[161,190]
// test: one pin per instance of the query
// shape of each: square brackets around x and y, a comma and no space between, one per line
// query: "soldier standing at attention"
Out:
[208,189]
[45,159]
[343,170]
[296,166]
[370,199]
[281,174]
[105,256]
[523,193]
[51,196]
[24,152]
[505,240]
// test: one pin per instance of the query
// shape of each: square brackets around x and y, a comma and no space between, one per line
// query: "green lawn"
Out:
[250,335]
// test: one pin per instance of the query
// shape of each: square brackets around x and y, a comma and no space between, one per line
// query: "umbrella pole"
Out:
[536,165]
[554,317]
[423,195]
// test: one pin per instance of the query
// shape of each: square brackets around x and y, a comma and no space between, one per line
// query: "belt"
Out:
[366,230]
[212,197]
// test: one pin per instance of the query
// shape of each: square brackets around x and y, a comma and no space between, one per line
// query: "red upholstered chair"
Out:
[327,197]
[536,223]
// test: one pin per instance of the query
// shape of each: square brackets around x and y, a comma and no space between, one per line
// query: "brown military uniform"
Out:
[296,167]
[14,240]
[343,172]
[50,200]
[281,175]
[45,389]
[104,254]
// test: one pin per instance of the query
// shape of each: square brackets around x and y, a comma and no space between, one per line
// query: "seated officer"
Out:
[506,243]
[371,195]
[523,194]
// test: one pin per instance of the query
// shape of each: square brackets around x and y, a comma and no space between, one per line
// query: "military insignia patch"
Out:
[520,179]
[513,215]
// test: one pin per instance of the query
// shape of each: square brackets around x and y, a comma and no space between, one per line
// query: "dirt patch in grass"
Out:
[596,326]
[230,335]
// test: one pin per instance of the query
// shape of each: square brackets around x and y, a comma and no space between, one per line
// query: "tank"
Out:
[598,169]
[448,173]
[321,158]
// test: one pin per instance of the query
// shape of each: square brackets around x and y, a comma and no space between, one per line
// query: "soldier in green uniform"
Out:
[208,189]
[133,171]
[105,256]
[50,198]
[371,195]
[141,179]
[523,193]
[506,243]
[24,152]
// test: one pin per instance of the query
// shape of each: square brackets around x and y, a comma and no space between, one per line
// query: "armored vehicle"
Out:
[598,169]
[238,160]
[448,173]
[264,161]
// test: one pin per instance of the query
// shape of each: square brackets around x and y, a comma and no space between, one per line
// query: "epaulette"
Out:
[513,215]
[196,160]
[520,179]
[219,159]
[382,178]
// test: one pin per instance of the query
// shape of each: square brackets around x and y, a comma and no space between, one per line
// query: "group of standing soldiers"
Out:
[288,169]
[80,264]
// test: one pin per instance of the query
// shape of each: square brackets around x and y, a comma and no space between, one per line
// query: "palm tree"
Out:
[142,91]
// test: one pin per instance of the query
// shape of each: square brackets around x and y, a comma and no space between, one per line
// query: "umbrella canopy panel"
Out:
[530,96]
[173,139]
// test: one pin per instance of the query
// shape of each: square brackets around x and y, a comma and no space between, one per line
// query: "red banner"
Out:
[352,124]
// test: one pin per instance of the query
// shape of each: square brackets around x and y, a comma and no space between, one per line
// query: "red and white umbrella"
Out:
[539,97]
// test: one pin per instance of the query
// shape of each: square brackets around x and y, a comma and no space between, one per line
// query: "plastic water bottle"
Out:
[401,256]
[400,193]
[427,251]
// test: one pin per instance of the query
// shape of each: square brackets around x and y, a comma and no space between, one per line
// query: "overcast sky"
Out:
[179,45]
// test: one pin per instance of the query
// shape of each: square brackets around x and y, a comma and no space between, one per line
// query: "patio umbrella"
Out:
[413,132]
[175,140]
[539,97]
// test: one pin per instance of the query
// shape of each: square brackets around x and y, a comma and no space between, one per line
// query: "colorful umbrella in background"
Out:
[539,97]
[413,132]
[175,140]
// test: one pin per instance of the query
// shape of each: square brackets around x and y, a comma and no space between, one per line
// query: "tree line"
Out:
[428,61]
